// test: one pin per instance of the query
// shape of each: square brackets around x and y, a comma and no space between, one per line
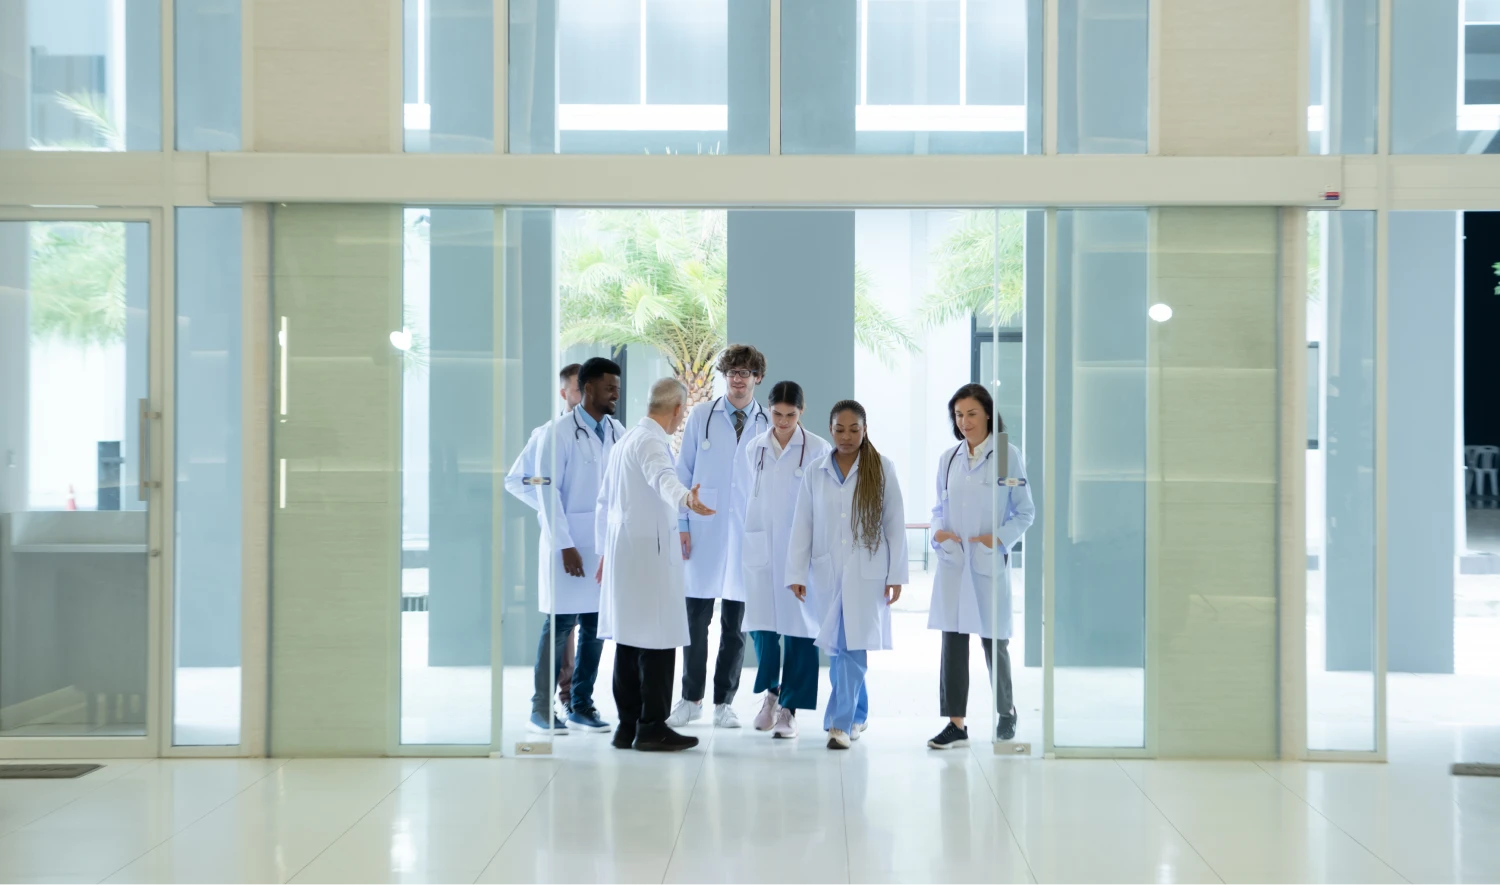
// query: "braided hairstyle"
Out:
[867,519]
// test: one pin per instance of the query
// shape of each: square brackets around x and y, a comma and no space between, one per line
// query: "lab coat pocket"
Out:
[710,499]
[951,551]
[984,560]
[756,550]
[581,527]
[822,571]
[874,566]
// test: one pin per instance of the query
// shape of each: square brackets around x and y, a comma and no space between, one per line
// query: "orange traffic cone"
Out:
[72,501]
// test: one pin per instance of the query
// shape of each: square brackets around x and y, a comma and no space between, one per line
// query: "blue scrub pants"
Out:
[849,703]
[795,678]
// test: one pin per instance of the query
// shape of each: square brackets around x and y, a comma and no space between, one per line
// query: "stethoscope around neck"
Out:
[949,469]
[706,444]
[578,428]
[761,467]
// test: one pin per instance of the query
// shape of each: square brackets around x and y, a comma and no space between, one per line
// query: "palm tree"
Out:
[77,281]
[659,278]
[985,247]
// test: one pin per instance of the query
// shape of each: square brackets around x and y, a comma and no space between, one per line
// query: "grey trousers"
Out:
[953,683]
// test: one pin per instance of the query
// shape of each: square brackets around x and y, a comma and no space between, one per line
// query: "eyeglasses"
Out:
[739,374]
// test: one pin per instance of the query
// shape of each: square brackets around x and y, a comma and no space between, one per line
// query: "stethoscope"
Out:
[1001,481]
[761,467]
[579,428]
[760,415]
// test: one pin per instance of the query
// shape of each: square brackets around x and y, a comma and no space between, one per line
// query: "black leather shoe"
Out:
[624,738]
[663,740]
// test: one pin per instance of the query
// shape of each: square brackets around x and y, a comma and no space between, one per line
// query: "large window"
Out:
[89,71]
[448,74]
[1445,76]
[207,79]
[1343,89]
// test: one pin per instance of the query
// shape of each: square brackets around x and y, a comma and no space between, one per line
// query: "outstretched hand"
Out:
[696,505]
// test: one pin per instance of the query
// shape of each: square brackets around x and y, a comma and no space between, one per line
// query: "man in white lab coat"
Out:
[641,602]
[571,453]
[713,443]
[515,483]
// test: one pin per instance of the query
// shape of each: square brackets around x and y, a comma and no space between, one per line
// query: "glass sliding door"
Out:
[79,481]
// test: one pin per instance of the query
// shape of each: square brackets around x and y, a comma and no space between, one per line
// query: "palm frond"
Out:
[93,109]
[981,270]
[880,332]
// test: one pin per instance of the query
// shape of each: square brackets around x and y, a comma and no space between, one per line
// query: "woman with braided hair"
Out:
[847,559]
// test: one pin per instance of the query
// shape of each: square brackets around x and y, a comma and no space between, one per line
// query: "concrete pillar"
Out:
[819,76]
[461,86]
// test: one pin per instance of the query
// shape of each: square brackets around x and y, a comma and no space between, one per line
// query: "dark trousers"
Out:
[796,677]
[643,687]
[565,675]
[551,647]
[953,685]
[731,650]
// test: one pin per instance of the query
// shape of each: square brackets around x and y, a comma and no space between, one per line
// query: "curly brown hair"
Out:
[742,356]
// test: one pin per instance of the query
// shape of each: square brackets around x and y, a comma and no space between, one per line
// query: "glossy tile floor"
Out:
[745,808]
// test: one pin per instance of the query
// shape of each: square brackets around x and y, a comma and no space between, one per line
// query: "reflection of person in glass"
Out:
[572,450]
[768,479]
[713,442]
[642,604]
[847,559]
[978,519]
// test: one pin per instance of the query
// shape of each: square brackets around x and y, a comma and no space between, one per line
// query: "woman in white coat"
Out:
[847,559]
[983,508]
[768,479]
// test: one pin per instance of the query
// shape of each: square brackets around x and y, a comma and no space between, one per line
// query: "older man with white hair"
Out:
[642,600]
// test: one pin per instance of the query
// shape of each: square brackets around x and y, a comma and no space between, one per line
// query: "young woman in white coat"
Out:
[768,479]
[847,559]
[979,517]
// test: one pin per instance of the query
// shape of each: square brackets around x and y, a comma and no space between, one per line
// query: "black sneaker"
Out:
[624,738]
[663,740]
[1007,729]
[950,738]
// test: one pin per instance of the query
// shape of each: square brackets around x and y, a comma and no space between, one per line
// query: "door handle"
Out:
[144,417]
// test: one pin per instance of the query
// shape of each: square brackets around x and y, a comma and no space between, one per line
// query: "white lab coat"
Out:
[769,483]
[843,577]
[713,566]
[971,590]
[641,602]
[567,450]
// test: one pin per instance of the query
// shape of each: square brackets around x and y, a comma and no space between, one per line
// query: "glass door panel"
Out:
[76,478]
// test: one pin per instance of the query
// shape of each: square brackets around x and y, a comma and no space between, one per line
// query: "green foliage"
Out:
[1497,273]
[78,281]
[659,278]
[984,247]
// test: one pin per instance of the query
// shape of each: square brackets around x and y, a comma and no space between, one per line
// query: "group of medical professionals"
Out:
[797,539]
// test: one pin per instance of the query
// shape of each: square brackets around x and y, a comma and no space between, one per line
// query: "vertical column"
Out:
[15,78]
[460,442]
[1425,41]
[462,76]
[1352,101]
[750,76]
[1424,448]
[142,76]
[791,293]
[1034,336]
[137,358]
[1212,507]
[819,76]
[533,77]
[15,366]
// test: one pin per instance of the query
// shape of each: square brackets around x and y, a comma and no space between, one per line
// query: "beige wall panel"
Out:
[1229,79]
[324,76]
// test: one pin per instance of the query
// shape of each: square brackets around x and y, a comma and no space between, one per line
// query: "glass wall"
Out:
[1102,76]
[911,77]
[1344,71]
[86,75]
[1445,76]
[208,494]
[77,479]
[1340,492]
[654,76]
[448,76]
[207,75]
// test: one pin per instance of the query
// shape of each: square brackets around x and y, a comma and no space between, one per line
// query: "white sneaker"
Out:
[786,724]
[725,717]
[859,729]
[838,740]
[686,711]
[768,710]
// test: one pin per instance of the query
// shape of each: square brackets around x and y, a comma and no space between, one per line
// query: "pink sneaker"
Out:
[786,724]
[766,718]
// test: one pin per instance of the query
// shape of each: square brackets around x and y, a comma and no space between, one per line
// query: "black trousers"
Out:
[953,684]
[643,686]
[731,650]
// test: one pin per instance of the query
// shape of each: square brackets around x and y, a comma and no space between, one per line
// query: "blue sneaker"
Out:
[587,720]
[538,724]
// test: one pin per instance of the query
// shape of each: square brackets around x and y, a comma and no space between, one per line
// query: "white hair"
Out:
[666,395]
